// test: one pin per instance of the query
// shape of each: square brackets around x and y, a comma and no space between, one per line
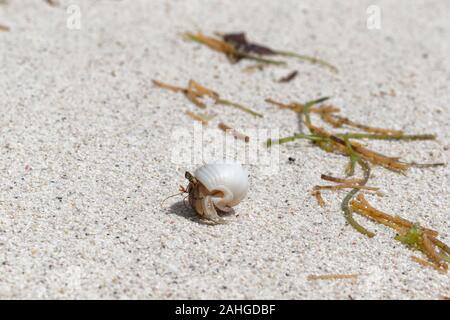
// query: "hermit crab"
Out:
[216,188]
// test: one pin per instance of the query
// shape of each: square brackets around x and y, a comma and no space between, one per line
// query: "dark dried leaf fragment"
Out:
[53,3]
[291,76]
[239,41]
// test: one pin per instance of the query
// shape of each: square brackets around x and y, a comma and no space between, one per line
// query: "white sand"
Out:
[86,155]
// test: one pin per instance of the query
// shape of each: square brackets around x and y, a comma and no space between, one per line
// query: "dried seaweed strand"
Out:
[433,256]
[296,107]
[236,134]
[194,91]
[170,87]
[444,248]
[341,144]
[371,156]
[339,180]
[426,165]
[332,276]
[366,154]
[289,77]
[212,43]
[203,118]
[377,218]
[338,121]
[322,109]
[361,204]
[405,137]
[318,195]
[193,98]
[201,91]
[346,186]
[426,263]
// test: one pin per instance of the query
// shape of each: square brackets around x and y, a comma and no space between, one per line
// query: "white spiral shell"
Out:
[228,178]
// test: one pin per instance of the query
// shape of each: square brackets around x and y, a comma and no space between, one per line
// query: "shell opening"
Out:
[221,197]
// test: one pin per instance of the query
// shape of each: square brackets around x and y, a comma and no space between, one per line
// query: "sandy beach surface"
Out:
[87,149]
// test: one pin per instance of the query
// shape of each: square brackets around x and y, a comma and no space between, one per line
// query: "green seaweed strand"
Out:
[345,203]
[350,170]
[308,106]
[313,60]
[311,137]
[239,106]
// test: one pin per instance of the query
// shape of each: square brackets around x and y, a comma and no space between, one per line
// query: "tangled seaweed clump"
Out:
[411,234]
[236,47]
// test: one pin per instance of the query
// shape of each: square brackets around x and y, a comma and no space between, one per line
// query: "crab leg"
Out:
[209,212]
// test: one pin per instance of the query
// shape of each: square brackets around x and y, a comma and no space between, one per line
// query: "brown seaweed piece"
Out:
[192,92]
[338,121]
[318,195]
[202,91]
[332,276]
[195,91]
[240,42]
[340,180]
[300,108]
[170,87]
[426,263]
[339,145]
[203,118]
[236,134]
[362,205]
[346,186]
